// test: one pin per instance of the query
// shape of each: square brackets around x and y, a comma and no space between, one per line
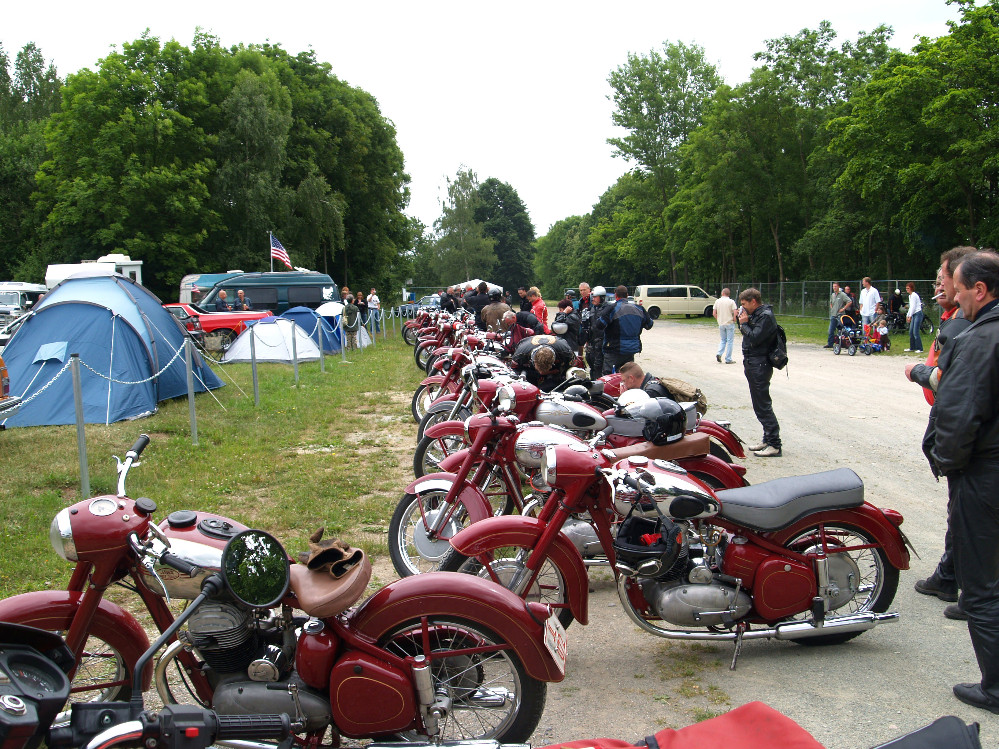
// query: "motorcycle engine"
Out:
[224,635]
[583,537]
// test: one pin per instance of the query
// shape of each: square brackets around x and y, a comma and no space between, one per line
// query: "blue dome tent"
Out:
[128,346]
[318,328]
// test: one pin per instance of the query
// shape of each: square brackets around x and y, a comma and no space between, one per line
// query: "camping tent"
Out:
[130,349]
[331,312]
[273,343]
[316,327]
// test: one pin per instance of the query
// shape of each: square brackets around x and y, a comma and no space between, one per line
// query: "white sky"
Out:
[515,90]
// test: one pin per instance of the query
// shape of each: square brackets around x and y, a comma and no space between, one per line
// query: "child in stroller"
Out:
[849,335]
[876,334]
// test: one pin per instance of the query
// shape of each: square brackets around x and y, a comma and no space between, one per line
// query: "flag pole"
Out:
[270,246]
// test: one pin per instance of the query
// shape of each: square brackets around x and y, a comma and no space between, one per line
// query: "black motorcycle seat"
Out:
[777,504]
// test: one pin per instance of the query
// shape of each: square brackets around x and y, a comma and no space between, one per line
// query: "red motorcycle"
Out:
[431,656]
[802,558]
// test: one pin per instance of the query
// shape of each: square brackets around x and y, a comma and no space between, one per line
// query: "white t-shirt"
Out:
[915,304]
[869,299]
[374,302]
[725,310]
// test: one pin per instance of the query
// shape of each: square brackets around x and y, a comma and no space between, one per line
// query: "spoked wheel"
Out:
[491,695]
[409,335]
[172,677]
[425,395]
[411,548]
[421,355]
[431,451]
[506,565]
[864,577]
[438,413]
[926,327]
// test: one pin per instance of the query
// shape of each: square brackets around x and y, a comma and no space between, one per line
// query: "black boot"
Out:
[935,585]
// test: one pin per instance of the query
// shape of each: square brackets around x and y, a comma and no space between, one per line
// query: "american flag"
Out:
[278,252]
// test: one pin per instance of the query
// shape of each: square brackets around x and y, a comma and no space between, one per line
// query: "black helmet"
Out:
[649,547]
[665,420]
[495,295]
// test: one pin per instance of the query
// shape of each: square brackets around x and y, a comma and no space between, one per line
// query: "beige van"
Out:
[675,300]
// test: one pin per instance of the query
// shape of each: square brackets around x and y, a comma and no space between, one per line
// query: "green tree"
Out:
[462,250]
[504,218]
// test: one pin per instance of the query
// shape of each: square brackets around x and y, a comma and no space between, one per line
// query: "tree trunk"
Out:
[775,231]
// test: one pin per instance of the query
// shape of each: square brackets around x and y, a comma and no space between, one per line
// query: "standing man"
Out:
[525,303]
[595,338]
[622,324]
[724,312]
[585,315]
[242,303]
[759,331]
[492,313]
[448,303]
[375,309]
[221,305]
[943,582]
[539,308]
[838,301]
[869,298]
[915,318]
[966,451]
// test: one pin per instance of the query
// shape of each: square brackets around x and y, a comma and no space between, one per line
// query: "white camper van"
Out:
[16,298]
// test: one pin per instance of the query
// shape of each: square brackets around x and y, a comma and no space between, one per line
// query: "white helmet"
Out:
[599,291]
[631,397]
[560,328]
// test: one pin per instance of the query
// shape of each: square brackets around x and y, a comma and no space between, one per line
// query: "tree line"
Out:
[830,161]
[185,157]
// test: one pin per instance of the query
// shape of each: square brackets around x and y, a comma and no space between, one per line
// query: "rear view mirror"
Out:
[255,569]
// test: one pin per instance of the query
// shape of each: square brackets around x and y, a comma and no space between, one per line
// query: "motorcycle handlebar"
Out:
[232,727]
[181,565]
[139,445]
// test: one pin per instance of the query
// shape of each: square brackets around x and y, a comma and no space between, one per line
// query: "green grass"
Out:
[332,452]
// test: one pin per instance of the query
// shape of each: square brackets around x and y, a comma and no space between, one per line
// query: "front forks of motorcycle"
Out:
[434,707]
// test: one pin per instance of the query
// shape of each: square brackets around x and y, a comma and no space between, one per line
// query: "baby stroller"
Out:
[874,340]
[849,336]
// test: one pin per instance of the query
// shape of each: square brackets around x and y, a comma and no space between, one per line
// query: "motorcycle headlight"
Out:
[506,399]
[549,471]
[61,536]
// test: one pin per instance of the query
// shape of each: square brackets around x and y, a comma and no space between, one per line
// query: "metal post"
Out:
[294,350]
[802,298]
[371,330]
[253,365]
[81,435]
[188,353]
[319,336]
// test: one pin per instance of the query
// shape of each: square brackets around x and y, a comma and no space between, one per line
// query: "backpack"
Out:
[778,353]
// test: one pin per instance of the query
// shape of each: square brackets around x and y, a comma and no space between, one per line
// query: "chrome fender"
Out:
[474,501]
[519,623]
[518,530]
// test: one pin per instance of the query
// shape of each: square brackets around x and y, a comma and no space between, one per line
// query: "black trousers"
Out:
[974,505]
[613,361]
[595,358]
[758,375]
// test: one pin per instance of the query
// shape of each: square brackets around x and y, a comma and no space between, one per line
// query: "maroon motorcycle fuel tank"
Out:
[370,696]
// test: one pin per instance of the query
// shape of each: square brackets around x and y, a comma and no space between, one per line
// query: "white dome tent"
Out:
[273,343]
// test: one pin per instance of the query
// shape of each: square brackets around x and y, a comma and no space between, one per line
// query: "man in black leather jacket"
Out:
[759,331]
[966,451]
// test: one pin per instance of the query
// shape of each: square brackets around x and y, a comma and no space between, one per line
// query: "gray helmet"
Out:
[599,291]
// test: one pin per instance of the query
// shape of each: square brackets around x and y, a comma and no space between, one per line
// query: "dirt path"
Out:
[834,411]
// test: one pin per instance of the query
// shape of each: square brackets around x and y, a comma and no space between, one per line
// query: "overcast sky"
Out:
[514,90]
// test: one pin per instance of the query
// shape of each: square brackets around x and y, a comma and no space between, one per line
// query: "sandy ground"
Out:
[834,411]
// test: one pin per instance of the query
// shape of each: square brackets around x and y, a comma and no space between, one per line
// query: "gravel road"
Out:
[834,411]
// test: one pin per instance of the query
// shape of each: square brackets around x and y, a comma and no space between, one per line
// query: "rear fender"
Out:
[867,517]
[715,467]
[723,435]
[453,428]
[475,502]
[54,610]
[518,530]
[466,597]
[433,380]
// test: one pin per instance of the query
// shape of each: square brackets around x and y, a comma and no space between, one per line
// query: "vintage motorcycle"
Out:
[426,656]
[804,558]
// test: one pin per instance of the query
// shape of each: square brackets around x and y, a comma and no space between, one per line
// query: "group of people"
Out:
[242,302]
[356,312]
[845,309]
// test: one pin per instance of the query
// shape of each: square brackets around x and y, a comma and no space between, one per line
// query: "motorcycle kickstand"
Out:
[740,631]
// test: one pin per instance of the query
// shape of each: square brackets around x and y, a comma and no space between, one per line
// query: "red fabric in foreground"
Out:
[751,726]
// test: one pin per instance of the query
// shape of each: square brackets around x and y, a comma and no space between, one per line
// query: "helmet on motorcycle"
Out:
[630,399]
[560,326]
[577,391]
[599,291]
[665,420]
[649,547]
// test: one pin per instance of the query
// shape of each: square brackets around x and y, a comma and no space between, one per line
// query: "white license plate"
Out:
[556,642]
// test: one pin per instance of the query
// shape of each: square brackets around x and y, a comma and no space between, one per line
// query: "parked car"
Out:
[219,329]
[675,300]
[410,309]
[9,404]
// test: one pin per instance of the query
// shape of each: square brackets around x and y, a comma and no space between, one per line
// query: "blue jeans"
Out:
[727,333]
[833,323]
[915,341]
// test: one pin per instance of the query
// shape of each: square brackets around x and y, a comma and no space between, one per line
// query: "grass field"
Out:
[335,451]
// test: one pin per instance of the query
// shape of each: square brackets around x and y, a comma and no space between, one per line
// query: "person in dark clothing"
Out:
[221,305]
[479,301]
[517,331]
[525,303]
[544,360]
[943,582]
[595,337]
[634,378]
[622,324]
[448,303]
[966,451]
[567,316]
[759,331]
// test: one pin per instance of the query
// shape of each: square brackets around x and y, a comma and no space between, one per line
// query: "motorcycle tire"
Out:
[431,451]
[864,568]
[720,452]
[868,350]
[472,681]
[422,398]
[837,348]
[548,587]
[409,335]
[440,412]
[853,349]
[429,366]
[421,355]
[926,327]
[412,553]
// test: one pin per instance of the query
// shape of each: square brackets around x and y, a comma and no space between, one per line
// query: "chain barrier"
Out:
[46,386]
[137,382]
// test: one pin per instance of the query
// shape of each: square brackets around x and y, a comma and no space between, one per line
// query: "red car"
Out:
[220,328]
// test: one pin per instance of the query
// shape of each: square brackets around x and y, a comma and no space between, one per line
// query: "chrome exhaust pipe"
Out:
[859,622]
